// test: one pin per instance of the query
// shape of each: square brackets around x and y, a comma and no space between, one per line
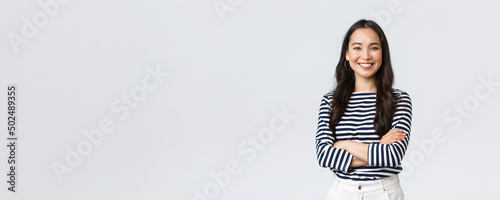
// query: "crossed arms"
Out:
[360,150]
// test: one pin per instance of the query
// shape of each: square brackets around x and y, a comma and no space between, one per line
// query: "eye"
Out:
[356,48]
[375,48]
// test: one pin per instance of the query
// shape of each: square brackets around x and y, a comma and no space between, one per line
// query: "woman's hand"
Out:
[392,136]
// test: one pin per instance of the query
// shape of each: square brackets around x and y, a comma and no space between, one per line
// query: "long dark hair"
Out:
[384,78]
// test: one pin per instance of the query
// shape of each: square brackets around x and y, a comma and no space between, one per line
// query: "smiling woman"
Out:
[364,124]
[364,55]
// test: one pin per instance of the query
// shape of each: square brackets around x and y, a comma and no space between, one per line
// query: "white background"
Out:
[229,72]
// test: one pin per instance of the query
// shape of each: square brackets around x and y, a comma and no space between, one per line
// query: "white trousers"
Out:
[383,189]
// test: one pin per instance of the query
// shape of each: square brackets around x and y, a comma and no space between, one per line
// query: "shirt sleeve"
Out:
[391,155]
[327,155]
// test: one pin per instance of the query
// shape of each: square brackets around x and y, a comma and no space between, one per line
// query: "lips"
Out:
[365,65]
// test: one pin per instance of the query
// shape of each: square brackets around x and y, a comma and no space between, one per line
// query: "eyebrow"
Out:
[370,43]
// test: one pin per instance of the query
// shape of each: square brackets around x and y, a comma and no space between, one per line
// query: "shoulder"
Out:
[328,95]
[327,98]
[400,93]
[403,98]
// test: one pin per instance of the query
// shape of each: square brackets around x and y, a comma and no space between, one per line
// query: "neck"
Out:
[365,84]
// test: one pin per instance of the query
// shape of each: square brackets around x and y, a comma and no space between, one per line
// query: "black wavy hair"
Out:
[384,78]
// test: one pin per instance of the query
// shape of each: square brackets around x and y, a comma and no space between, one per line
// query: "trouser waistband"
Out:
[364,186]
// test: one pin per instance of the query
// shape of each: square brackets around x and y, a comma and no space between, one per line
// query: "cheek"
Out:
[378,56]
[353,56]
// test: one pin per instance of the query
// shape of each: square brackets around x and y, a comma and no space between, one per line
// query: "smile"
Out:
[366,65]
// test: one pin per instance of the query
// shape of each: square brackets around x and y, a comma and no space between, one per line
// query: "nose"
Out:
[365,54]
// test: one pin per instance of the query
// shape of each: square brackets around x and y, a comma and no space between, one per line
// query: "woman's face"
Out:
[364,53]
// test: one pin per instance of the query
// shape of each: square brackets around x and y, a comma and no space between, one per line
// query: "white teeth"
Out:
[366,65]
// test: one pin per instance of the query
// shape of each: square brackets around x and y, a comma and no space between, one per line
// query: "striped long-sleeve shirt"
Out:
[357,125]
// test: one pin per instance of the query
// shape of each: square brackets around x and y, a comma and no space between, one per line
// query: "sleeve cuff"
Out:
[344,166]
[371,154]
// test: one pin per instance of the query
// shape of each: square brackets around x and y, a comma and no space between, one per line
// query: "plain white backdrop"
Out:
[222,96]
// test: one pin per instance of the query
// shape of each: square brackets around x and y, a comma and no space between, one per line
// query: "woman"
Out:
[364,124]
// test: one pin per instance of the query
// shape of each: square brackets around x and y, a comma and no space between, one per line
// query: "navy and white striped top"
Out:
[357,125]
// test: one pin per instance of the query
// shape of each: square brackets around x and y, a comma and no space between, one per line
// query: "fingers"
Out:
[401,134]
[392,136]
[397,130]
[397,134]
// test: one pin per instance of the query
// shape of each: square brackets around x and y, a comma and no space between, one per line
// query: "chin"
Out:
[366,75]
